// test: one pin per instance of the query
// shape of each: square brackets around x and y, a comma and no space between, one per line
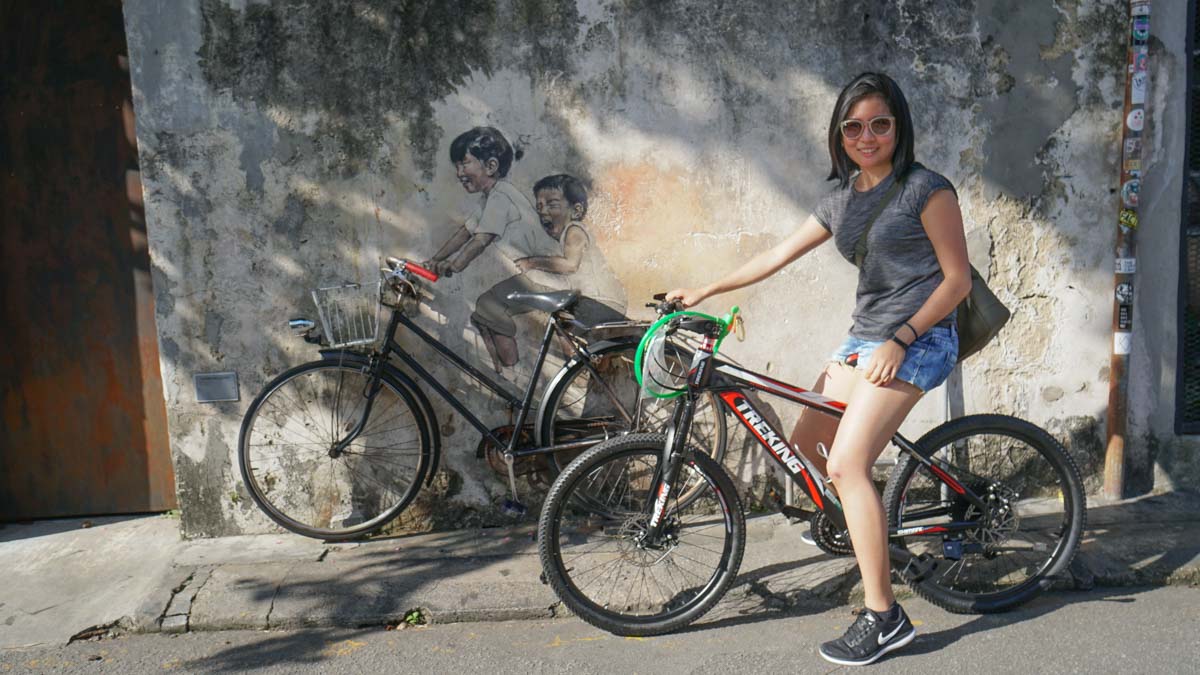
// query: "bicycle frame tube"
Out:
[798,468]
[523,405]
[450,356]
[732,391]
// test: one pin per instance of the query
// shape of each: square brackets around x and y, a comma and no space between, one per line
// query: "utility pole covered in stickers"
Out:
[1137,83]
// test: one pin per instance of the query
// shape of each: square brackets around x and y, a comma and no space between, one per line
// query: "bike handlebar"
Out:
[420,271]
[664,307]
[398,265]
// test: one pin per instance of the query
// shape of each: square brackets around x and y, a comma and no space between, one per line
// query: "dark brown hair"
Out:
[863,86]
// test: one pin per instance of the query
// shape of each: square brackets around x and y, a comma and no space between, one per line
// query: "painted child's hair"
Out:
[863,86]
[485,143]
[572,188]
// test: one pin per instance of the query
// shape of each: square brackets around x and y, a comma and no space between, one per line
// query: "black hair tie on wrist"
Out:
[902,343]
[916,335]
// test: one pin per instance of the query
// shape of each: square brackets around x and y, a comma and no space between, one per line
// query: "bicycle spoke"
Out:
[290,472]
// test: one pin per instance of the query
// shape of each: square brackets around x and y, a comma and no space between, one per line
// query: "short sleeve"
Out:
[929,183]
[472,222]
[824,212]
[497,212]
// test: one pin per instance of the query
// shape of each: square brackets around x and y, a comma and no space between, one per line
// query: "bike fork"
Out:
[673,457]
[374,385]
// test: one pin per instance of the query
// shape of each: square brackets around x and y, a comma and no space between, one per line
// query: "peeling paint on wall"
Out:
[289,145]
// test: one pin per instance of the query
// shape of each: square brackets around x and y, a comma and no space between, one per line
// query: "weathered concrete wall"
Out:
[289,145]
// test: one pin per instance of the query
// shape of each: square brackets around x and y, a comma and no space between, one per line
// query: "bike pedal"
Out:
[796,512]
[918,568]
[513,509]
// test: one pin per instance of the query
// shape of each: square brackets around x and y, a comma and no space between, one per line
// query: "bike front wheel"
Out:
[600,563]
[294,470]
[1028,530]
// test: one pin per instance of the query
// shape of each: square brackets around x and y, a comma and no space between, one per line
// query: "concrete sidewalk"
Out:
[63,580]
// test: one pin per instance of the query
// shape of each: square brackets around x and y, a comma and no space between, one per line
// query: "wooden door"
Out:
[84,425]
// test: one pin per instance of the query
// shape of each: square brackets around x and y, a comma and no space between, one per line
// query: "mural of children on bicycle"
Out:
[548,248]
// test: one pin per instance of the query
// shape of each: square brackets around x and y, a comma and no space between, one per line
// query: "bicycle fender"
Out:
[402,379]
[596,349]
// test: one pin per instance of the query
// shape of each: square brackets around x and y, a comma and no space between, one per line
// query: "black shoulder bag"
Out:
[980,317]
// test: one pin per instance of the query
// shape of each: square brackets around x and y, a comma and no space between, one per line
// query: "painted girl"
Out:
[504,218]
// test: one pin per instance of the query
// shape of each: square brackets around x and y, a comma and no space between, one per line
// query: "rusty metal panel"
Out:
[84,425]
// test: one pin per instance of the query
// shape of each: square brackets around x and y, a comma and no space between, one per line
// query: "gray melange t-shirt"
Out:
[901,270]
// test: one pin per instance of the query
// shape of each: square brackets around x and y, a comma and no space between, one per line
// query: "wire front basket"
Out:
[349,313]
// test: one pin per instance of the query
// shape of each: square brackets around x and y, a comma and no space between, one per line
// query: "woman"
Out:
[903,340]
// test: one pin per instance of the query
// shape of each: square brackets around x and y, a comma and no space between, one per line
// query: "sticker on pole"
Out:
[1141,29]
[1128,219]
[1124,293]
[1122,343]
[1137,88]
[1141,59]
[1129,193]
[1126,265]
[1136,119]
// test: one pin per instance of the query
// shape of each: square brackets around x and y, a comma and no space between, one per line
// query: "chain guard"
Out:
[828,537]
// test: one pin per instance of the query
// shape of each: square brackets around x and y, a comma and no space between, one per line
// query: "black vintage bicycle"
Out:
[336,448]
[982,511]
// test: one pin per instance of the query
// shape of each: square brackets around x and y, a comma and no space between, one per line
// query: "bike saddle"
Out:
[553,301]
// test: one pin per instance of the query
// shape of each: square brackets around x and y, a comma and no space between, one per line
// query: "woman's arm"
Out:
[574,243]
[808,236]
[943,224]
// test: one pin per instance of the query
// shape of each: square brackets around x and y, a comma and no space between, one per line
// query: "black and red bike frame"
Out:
[731,385]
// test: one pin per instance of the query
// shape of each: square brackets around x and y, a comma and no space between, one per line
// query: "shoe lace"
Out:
[860,628]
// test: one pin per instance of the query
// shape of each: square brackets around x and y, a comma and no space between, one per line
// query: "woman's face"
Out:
[870,151]
[474,174]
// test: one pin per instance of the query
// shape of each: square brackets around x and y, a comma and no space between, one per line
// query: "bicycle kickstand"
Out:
[512,506]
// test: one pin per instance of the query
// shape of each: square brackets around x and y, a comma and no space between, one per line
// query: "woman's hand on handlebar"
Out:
[688,297]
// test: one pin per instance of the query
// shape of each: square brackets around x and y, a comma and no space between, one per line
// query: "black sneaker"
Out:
[870,636]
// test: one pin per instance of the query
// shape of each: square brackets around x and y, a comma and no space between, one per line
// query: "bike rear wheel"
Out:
[287,460]
[597,563]
[1029,529]
[586,403]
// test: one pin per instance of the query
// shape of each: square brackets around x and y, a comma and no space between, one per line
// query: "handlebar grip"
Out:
[420,271]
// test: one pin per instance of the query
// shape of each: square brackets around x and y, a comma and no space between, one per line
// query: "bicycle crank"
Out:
[512,506]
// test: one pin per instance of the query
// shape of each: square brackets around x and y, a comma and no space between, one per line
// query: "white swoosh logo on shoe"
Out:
[884,638]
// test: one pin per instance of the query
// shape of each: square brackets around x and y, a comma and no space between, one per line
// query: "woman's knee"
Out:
[843,470]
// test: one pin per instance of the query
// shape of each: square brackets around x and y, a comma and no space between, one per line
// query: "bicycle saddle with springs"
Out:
[553,301]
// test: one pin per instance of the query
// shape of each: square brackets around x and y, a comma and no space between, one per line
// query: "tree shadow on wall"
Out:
[743,76]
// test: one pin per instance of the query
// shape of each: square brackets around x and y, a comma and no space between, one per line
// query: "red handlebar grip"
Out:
[420,271]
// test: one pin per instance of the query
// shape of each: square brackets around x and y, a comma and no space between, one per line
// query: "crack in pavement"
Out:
[275,595]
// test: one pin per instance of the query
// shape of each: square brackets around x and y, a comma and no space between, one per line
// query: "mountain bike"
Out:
[336,448]
[983,511]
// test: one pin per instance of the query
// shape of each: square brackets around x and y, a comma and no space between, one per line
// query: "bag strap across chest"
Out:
[860,246]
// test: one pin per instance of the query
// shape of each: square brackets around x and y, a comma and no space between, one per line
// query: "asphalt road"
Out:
[1103,631]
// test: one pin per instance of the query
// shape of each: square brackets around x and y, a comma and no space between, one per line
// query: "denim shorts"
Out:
[927,363]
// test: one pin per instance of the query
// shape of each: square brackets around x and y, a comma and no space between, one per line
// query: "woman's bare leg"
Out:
[873,414]
[837,381]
